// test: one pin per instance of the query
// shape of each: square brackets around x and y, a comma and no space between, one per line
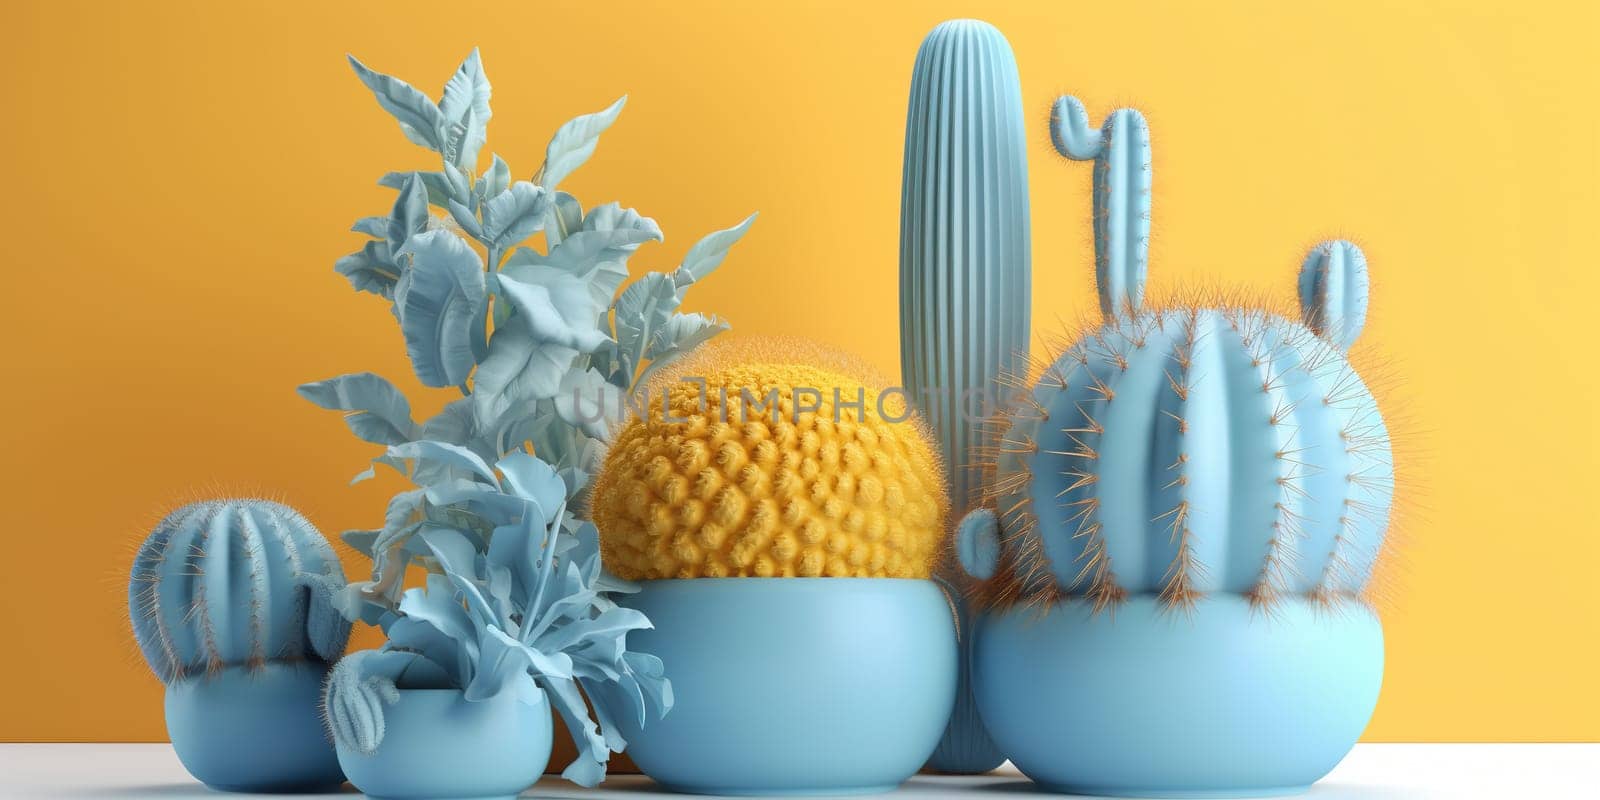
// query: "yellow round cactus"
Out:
[792,461]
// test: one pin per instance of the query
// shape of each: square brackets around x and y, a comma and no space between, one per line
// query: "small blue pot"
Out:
[436,745]
[1223,702]
[795,686]
[254,730]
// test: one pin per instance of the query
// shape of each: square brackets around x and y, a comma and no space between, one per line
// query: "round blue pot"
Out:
[439,746]
[1221,702]
[795,686]
[436,745]
[254,730]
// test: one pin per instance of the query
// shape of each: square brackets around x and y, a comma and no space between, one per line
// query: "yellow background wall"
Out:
[178,179]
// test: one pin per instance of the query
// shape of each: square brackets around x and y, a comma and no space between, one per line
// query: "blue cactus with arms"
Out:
[1187,450]
[231,604]
[1205,482]
[964,276]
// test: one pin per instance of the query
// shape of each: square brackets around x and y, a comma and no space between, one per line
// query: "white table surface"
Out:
[1372,772]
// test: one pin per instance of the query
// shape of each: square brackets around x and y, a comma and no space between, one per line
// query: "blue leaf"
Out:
[464,107]
[589,767]
[377,411]
[518,368]
[409,216]
[612,216]
[588,402]
[419,118]
[574,142]
[451,455]
[372,226]
[531,478]
[454,552]
[598,258]
[440,190]
[553,306]
[441,652]
[504,661]
[453,423]
[611,626]
[360,541]
[642,311]
[681,334]
[437,607]
[483,501]
[708,253]
[515,214]
[495,179]
[371,269]
[566,217]
[442,303]
[464,217]
[526,552]
[460,186]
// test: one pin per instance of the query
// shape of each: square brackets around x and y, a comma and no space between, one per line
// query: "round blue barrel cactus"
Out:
[1187,504]
[230,602]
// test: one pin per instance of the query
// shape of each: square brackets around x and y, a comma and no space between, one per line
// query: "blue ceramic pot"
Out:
[437,745]
[1222,702]
[254,730]
[793,686]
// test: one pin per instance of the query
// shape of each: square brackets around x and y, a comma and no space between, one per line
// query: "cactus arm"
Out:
[356,692]
[978,543]
[1070,131]
[1122,213]
[1334,288]
[1122,180]
[327,631]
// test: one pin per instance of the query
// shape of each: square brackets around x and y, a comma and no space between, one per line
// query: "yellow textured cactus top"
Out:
[791,462]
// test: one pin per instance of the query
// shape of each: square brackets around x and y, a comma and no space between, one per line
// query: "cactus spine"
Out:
[229,583]
[965,273]
[1187,450]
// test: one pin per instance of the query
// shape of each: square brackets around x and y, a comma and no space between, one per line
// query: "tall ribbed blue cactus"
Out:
[234,583]
[965,274]
[1187,450]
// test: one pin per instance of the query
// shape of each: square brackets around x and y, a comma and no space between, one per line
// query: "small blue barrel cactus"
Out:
[1186,506]
[231,606]
[964,277]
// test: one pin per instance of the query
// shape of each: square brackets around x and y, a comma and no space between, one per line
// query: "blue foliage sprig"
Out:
[543,348]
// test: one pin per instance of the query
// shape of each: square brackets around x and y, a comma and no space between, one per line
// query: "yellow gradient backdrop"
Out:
[179,178]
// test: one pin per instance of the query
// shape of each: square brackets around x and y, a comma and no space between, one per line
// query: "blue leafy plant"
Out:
[546,353]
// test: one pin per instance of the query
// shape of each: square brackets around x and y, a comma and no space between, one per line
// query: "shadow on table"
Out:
[1321,791]
[627,787]
[184,791]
